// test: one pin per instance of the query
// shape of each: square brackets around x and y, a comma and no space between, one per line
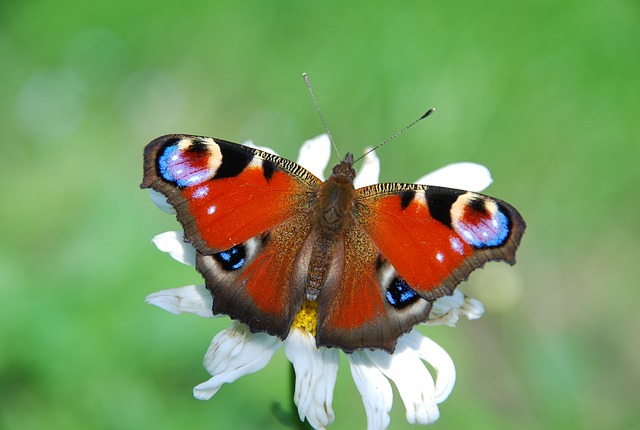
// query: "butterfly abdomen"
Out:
[319,265]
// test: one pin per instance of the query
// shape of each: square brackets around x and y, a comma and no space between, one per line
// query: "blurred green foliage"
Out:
[544,93]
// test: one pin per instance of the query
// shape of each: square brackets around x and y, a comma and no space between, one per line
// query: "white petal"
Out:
[445,304]
[472,308]
[437,357]
[316,372]
[314,155]
[374,388]
[448,309]
[250,144]
[233,353]
[173,243]
[463,176]
[161,201]
[413,380]
[450,319]
[192,299]
[369,172]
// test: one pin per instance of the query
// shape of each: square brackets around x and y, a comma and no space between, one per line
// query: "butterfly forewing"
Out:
[225,193]
[434,236]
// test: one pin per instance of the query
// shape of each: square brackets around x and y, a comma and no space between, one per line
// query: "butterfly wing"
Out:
[244,212]
[224,193]
[259,281]
[410,245]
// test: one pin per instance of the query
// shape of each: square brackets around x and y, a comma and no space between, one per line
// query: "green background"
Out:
[544,93]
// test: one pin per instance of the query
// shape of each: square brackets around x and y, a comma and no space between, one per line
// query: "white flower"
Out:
[236,351]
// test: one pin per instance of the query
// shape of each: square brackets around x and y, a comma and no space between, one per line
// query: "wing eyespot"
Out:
[232,259]
[399,294]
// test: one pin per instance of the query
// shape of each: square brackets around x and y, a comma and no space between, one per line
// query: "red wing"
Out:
[225,193]
[410,245]
[254,282]
[245,212]
[357,307]
[434,237]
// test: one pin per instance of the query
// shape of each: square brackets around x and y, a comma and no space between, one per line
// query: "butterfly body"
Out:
[333,214]
[269,236]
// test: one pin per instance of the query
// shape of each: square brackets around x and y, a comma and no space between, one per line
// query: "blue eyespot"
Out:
[400,294]
[490,231]
[181,167]
[232,259]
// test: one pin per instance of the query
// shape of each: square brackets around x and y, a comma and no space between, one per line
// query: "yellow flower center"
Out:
[307,317]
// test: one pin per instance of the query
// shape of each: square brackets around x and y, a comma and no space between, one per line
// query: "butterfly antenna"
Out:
[423,116]
[324,123]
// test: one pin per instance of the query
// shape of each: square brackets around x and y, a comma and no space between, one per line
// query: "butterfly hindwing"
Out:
[256,282]
[367,304]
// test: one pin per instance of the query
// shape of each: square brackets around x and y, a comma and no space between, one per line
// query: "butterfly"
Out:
[270,237]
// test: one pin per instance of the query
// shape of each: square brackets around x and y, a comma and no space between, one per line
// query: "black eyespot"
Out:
[232,259]
[400,294]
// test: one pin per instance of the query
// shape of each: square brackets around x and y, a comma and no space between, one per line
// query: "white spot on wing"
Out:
[456,245]
[201,192]
[211,209]
[440,257]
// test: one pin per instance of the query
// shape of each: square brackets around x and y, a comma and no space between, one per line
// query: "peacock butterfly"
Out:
[270,236]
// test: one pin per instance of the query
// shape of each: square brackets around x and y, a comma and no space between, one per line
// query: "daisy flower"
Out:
[236,351]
